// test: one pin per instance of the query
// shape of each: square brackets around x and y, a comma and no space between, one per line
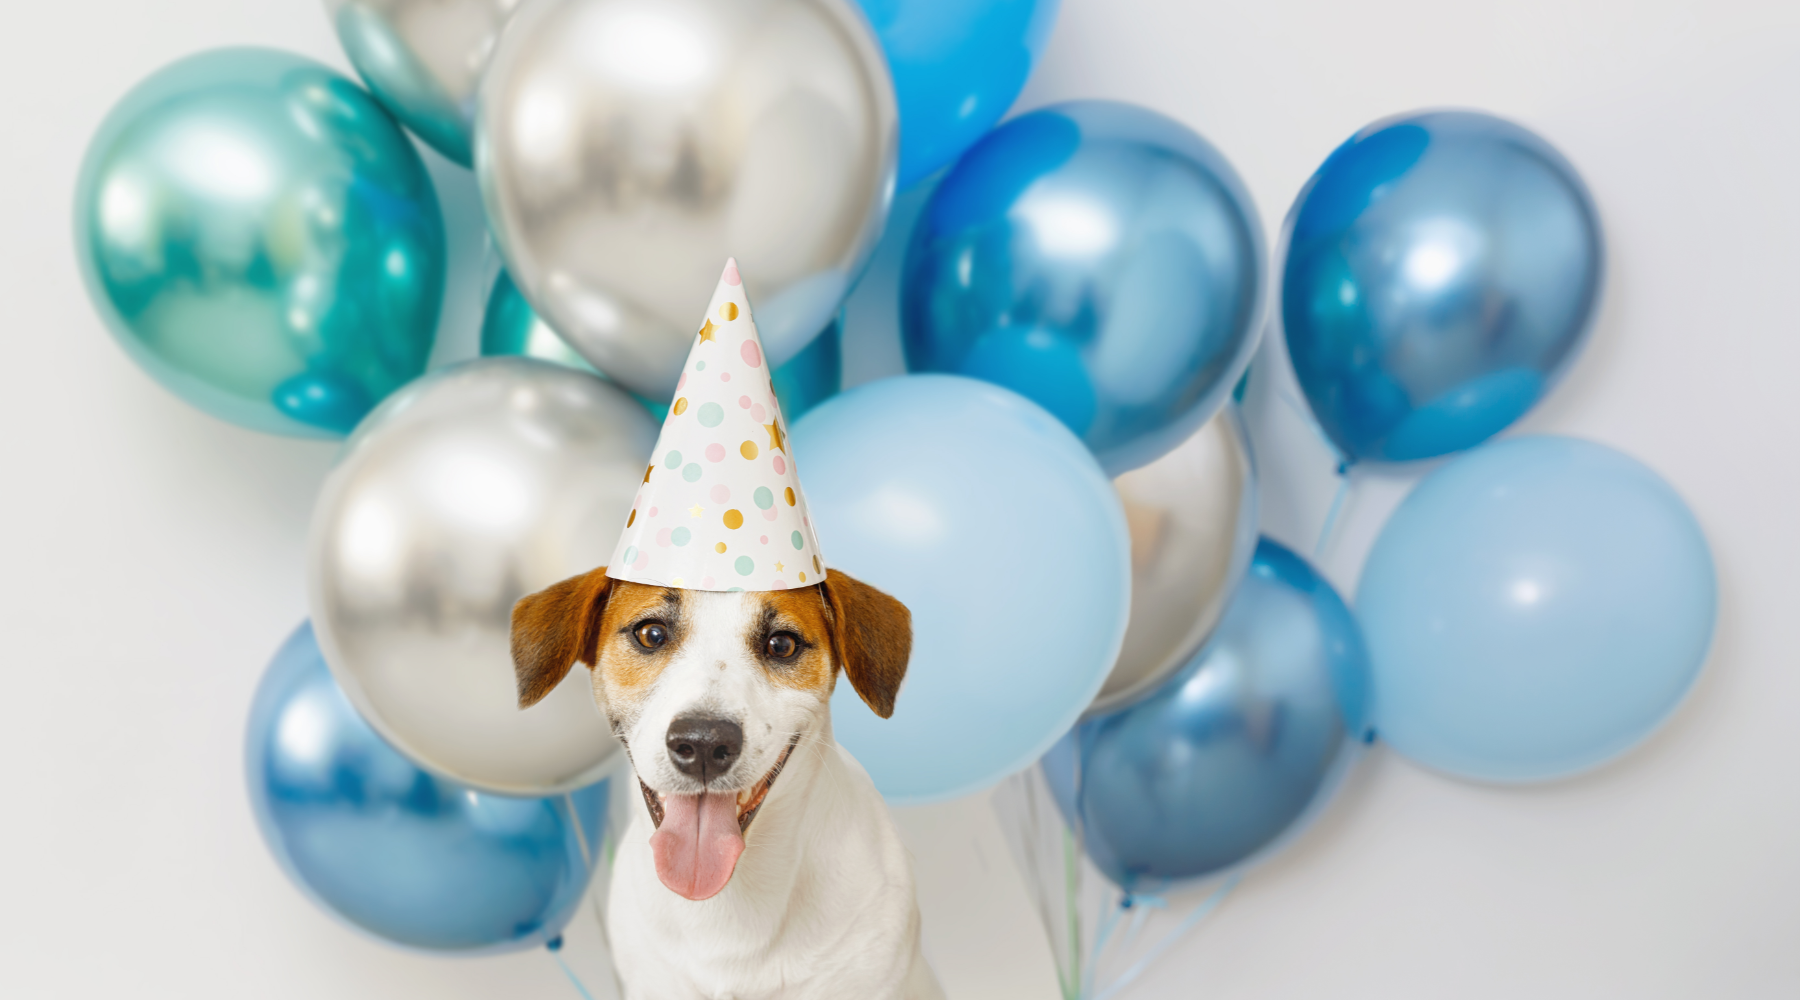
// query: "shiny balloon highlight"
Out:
[1233,751]
[957,68]
[1098,258]
[963,499]
[263,240]
[511,327]
[1441,272]
[1192,516]
[394,850]
[1534,609]
[626,147]
[472,487]
[423,60]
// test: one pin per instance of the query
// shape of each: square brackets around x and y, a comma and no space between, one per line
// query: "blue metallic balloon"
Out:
[410,858]
[511,327]
[1534,609]
[263,239]
[1441,271]
[957,67]
[1098,258]
[1239,745]
[962,499]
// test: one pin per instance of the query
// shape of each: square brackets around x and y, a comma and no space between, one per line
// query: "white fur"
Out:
[821,904]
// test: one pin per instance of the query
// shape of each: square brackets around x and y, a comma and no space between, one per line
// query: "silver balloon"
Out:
[460,494]
[1192,515]
[626,148]
[423,60]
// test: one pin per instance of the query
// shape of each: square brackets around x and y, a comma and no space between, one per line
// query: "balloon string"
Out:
[1071,985]
[1331,515]
[587,856]
[1206,907]
[574,980]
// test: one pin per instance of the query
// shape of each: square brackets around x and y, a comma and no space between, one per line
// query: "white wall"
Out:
[152,555]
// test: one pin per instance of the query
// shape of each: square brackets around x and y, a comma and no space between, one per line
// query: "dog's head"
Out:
[711,691]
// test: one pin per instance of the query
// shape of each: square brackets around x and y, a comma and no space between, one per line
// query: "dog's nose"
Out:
[704,748]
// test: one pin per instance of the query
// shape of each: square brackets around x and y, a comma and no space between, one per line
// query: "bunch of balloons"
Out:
[1061,489]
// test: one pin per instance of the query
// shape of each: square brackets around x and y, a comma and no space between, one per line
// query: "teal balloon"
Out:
[263,239]
[510,326]
[1535,608]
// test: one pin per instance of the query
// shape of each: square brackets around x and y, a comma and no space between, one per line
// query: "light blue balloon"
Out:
[510,326]
[992,523]
[957,67]
[411,858]
[1236,749]
[1441,272]
[1098,258]
[263,239]
[1534,609]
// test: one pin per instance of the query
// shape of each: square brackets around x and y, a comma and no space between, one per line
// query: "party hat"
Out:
[720,507]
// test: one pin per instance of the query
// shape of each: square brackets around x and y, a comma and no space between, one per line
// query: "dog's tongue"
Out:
[698,843]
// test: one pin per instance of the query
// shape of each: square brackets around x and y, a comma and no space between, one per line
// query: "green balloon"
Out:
[263,239]
[511,327]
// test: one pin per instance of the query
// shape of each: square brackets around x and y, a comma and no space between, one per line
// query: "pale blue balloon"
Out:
[1233,753]
[992,523]
[263,239]
[1099,258]
[1534,609]
[393,850]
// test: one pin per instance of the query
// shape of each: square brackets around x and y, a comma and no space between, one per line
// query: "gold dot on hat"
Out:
[632,518]
[790,496]
[728,310]
[748,449]
[647,470]
[720,547]
[733,520]
[678,409]
[816,567]
[707,331]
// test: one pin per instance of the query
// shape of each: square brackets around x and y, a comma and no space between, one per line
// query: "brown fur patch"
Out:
[554,629]
[624,666]
[871,637]
[803,613]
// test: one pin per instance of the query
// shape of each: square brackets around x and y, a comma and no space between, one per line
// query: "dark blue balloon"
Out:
[1441,271]
[408,857]
[1098,258]
[957,67]
[1234,748]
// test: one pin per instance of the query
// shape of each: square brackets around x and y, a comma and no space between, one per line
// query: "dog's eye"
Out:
[651,635]
[783,645]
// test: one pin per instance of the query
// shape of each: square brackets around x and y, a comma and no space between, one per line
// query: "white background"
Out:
[152,555]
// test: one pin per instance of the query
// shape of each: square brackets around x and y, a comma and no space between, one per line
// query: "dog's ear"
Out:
[871,637]
[554,628]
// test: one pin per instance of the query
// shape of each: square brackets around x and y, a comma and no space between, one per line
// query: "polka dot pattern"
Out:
[723,442]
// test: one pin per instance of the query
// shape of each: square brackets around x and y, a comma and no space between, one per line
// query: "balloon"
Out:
[1247,738]
[1098,258]
[422,59]
[994,526]
[511,327]
[406,856]
[263,240]
[1192,515]
[1441,270]
[626,147]
[957,67]
[467,490]
[1534,609]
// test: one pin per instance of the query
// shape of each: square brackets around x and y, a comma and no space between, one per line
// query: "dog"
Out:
[764,863]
